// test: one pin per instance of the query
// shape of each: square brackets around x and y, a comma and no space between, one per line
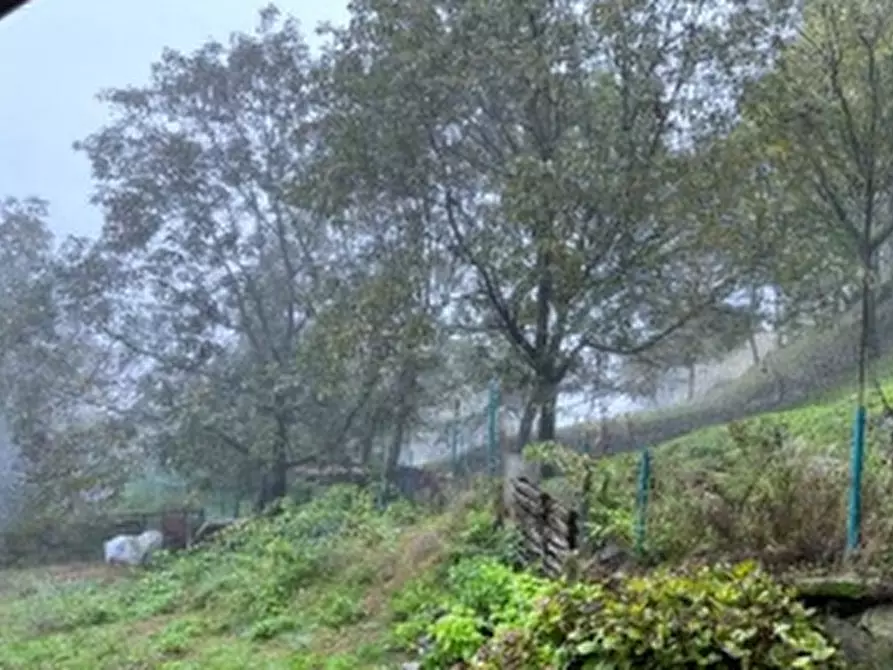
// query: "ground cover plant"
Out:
[268,593]
[773,487]
[489,616]
[339,583]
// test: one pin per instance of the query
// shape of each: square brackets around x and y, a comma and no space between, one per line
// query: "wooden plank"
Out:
[529,508]
[525,488]
[548,528]
[523,494]
[532,542]
[559,527]
[557,547]
[560,514]
[553,567]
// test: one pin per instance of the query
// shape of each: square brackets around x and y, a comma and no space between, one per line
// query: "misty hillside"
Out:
[812,365]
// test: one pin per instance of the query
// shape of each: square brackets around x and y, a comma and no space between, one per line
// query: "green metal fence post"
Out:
[492,427]
[642,499]
[454,439]
[857,457]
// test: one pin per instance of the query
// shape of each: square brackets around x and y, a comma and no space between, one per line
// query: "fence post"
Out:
[854,518]
[543,530]
[385,484]
[454,438]
[492,427]
[642,499]
[586,488]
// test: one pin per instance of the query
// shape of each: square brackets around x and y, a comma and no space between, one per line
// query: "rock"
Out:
[845,594]
[878,621]
[857,614]
[864,646]
[854,642]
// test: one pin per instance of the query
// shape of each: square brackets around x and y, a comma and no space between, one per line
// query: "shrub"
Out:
[486,614]
[449,615]
[759,488]
[718,617]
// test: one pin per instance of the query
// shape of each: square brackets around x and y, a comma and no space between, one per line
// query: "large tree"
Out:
[57,448]
[205,262]
[557,149]
[823,116]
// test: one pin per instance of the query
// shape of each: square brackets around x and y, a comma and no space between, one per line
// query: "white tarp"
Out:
[123,549]
[150,541]
[132,549]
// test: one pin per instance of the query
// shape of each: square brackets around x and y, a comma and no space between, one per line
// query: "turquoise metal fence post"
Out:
[383,491]
[454,447]
[642,499]
[454,439]
[857,457]
[492,427]
[586,491]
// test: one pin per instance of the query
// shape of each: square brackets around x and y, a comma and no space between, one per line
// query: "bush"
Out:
[756,489]
[448,616]
[487,615]
[713,617]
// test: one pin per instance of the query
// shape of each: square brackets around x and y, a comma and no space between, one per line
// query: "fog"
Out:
[10,476]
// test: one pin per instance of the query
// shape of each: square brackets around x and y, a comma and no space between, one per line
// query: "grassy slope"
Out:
[310,593]
[233,611]
[209,614]
[729,491]
[201,614]
[812,369]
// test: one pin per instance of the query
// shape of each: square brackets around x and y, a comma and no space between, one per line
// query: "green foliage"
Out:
[774,487]
[477,537]
[456,611]
[284,578]
[484,613]
[722,617]
[610,508]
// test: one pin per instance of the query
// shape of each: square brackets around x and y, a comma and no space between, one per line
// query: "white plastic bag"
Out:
[149,542]
[123,550]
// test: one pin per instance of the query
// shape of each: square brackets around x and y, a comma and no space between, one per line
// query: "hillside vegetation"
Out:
[337,583]
[815,368]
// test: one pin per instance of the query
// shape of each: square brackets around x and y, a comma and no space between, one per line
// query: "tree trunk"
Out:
[754,324]
[392,457]
[525,430]
[405,386]
[692,369]
[869,313]
[778,323]
[366,447]
[263,495]
[274,483]
[754,349]
[548,401]
[869,347]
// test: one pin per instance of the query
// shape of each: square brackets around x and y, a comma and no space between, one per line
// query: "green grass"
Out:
[308,589]
[818,368]
[315,586]
[774,486]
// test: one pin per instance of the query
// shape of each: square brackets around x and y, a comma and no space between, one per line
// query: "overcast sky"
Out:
[55,56]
